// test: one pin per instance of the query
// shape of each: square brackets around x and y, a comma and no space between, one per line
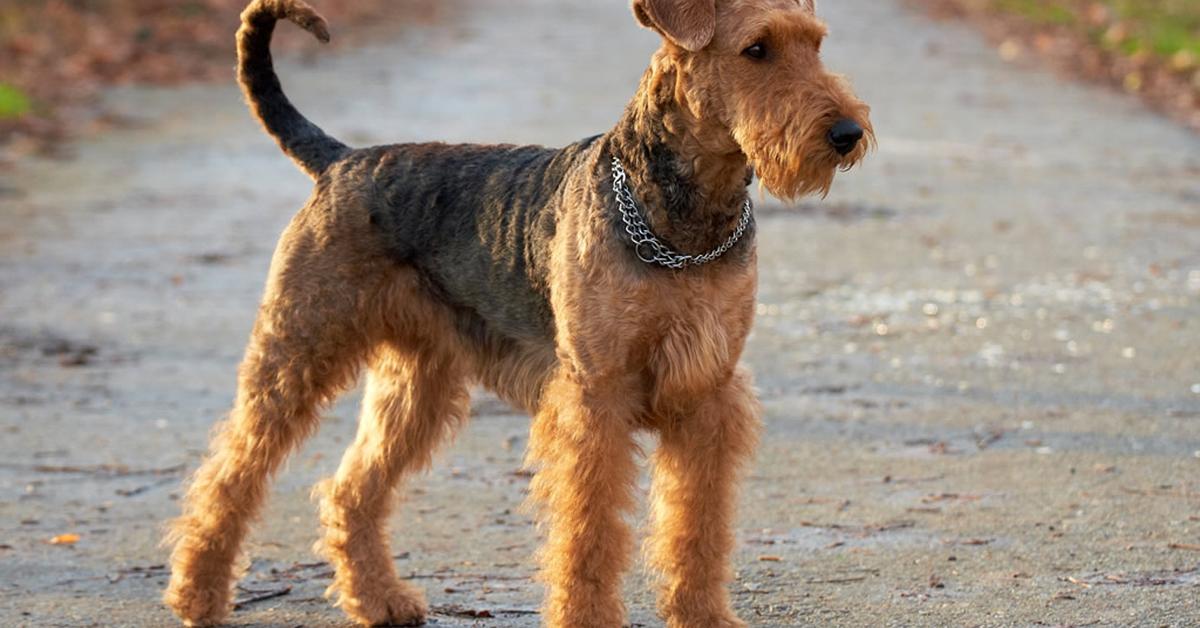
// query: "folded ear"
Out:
[689,24]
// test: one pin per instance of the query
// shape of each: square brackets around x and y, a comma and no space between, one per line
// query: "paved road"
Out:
[980,357]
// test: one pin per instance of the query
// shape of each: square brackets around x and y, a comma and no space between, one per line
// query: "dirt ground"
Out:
[980,356]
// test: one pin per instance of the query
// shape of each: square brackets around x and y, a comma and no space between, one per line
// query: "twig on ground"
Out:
[843,580]
[132,492]
[258,596]
[102,470]
[464,576]
[454,610]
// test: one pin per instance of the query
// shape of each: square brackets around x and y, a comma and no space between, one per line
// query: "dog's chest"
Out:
[698,330]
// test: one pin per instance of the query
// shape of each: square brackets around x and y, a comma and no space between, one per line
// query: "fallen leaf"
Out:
[1010,49]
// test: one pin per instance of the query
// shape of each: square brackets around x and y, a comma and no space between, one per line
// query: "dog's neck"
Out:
[686,171]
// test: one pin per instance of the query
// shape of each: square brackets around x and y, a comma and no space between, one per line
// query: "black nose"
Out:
[844,136]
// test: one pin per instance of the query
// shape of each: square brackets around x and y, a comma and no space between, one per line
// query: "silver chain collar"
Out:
[648,247]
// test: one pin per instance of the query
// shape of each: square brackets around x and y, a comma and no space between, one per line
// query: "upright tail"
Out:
[310,147]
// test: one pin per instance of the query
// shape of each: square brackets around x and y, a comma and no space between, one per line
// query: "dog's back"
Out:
[476,221]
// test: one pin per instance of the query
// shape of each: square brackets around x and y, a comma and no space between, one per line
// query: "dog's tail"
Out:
[310,147]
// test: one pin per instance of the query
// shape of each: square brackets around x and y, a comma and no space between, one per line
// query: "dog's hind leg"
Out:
[309,339]
[414,401]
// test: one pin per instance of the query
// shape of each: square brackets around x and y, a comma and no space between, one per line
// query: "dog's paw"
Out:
[197,606]
[399,605]
[728,620]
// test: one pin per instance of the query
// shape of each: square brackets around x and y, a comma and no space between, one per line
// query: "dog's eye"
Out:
[756,51]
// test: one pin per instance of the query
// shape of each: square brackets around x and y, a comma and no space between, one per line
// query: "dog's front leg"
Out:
[582,443]
[695,479]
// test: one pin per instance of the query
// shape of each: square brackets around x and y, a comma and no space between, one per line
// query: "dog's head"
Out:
[753,67]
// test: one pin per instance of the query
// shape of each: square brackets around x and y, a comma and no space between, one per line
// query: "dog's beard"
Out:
[791,175]
[797,159]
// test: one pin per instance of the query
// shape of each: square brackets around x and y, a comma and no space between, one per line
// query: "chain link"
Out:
[648,247]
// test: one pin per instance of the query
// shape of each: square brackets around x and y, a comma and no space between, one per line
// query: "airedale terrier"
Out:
[606,287]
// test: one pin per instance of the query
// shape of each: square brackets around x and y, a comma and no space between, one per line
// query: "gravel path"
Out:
[980,357]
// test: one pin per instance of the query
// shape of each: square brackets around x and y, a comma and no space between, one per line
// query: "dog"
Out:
[606,288]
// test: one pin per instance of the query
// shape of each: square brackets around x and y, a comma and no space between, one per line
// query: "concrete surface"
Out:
[980,356]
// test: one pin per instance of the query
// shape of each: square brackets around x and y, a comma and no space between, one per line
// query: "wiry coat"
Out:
[437,266]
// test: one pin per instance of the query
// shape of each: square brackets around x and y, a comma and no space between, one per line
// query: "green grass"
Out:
[1162,28]
[1039,11]
[13,102]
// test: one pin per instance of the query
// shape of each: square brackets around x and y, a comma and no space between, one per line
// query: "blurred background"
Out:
[979,356]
